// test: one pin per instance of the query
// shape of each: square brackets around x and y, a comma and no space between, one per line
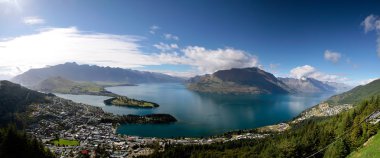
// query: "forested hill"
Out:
[334,136]
[14,98]
[16,144]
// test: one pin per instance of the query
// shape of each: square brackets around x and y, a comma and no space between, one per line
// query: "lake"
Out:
[199,114]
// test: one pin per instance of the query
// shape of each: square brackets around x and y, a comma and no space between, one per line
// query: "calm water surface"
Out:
[202,114]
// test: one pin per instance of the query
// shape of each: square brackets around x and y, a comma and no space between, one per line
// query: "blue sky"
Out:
[326,40]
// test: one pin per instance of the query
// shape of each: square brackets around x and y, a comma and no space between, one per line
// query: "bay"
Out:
[201,115]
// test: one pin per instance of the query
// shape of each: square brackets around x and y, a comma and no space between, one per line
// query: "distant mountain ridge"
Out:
[92,73]
[239,80]
[308,85]
[356,94]
[256,81]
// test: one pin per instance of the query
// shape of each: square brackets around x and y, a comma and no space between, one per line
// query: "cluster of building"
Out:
[67,120]
[274,128]
[248,136]
[323,109]
[374,118]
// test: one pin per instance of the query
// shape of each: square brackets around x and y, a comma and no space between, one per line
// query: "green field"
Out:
[371,149]
[65,142]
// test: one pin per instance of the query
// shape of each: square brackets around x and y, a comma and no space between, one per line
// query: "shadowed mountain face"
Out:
[75,72]
[244,80]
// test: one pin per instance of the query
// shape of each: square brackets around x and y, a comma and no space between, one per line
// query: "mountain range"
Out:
[307,85]
[92,73]
[61,85]
[256,81]
[236,80]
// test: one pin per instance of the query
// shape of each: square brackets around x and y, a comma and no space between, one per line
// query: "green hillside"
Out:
[14,99]
[357,94]
[65,86]
[16,144]
[370,149]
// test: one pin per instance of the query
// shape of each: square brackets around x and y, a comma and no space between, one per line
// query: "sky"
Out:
[335,41]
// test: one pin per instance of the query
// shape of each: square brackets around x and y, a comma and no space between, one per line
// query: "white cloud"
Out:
[364,82]
[372,23]
[169,36]
[369,23]
[33,20]
[6,72]
[58,45]
[53,46]
[165,47]
[311,72]
[332,56]
[183,74]
[153,29]
[302,71]
[209,61]
[10,6]
[273,66]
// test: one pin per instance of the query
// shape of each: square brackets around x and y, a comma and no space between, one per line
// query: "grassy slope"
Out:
[61,85]
[357,94]
[369,150]
[66,142]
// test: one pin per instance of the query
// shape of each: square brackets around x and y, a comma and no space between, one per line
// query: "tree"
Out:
[337,150]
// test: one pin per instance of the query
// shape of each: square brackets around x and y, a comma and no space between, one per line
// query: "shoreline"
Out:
[85,121]
[229,131]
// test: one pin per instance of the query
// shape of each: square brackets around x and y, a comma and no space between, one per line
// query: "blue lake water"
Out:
[202,114]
